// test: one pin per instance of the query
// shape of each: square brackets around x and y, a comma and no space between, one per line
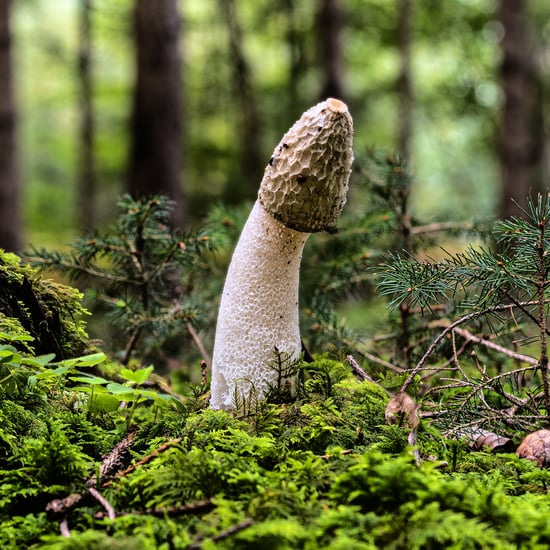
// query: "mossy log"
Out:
[47,311]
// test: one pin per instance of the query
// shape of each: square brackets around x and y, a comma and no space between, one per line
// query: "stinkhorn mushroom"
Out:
[303,191]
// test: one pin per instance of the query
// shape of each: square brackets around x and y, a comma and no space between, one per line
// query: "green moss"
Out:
[39,314]
[319,472]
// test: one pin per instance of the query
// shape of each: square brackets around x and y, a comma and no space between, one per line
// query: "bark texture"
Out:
[404,81]
[251,161]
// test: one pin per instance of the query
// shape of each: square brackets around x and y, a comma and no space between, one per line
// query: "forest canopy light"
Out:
[303,191]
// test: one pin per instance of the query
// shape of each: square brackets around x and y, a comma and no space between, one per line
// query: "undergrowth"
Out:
[100,453]
[130,466]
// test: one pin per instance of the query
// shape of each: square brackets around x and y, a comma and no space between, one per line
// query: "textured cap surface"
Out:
[306,181]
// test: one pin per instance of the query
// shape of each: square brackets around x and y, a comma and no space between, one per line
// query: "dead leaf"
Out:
[402,410]
[536,447]
[478,438]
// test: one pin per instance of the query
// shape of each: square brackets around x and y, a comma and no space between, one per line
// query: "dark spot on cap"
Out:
[301,178]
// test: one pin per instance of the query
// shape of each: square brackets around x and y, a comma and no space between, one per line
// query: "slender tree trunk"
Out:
[329,36]
[519,142]
[87,182]
[252,162]
[297,56]
[156,157]
[404,81]
[10,224]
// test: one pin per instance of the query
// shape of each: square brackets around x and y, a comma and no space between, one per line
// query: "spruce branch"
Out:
[144,273]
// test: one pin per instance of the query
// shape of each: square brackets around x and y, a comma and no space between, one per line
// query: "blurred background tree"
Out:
[521,138]
[460,89]
[329,27]
[86,195]
[10,227]
[156,153]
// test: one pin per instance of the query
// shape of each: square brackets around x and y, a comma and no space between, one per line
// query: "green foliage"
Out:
[144,274]
[466,325]
[314,465]
[515,273]
[501,292]
[309,473]
[456,96]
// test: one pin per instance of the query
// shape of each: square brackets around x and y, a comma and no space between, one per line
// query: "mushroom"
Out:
[303,190]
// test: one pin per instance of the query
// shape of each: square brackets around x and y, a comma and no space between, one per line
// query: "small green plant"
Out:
[309,473]
[144,273]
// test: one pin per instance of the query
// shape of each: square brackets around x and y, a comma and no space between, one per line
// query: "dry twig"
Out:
[104,502]
[222,535]
[146,459]
[171,511]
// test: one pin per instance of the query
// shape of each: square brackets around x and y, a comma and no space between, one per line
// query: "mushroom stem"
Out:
[303,190]
[266,320]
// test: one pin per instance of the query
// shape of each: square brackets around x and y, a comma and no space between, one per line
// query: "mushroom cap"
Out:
[305,183]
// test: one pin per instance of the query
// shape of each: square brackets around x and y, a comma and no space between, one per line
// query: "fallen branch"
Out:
[104,502]
[146,459]
[222,535]
[230,531]
[171,511]
[200,346]
[357,370]
[111,462]
[453,326]
[491,345]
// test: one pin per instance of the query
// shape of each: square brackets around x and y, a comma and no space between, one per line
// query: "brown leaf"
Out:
[402,410]
[478,438]
[536,447]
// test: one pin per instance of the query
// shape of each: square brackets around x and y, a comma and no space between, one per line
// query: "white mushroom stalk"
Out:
[303,191]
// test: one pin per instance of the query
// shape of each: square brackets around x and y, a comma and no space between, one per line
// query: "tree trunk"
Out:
[404,81]
[10,224]
[519,145]
[297,56]
[329,32]
[252,161]
[156,159]
[86,182]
